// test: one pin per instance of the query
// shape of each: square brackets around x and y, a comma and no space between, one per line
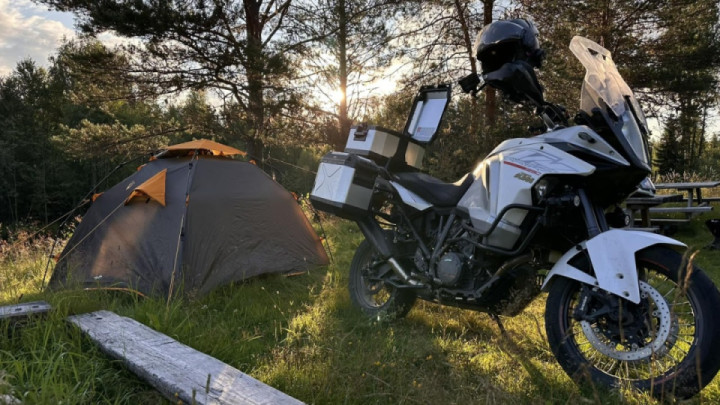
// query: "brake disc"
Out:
[661,335]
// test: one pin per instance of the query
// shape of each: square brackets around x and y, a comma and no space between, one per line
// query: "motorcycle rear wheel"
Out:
[376,298]
[669,347]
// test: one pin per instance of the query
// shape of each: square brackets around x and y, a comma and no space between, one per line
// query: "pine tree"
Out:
[238,48]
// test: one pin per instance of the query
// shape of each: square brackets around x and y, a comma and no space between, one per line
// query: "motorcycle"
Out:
[624,307]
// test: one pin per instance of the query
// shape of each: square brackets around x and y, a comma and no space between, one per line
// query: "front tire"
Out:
[368,289]
[666,345]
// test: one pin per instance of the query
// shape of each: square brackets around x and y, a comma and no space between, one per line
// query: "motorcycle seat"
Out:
[433,190]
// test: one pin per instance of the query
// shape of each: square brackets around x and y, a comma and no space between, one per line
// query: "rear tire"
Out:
[666,345]
[368,290]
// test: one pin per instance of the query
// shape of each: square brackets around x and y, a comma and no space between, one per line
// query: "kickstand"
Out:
[496,318]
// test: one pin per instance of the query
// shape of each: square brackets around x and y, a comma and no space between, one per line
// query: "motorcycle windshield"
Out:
[604,88]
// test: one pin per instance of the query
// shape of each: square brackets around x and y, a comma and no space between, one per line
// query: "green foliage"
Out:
[33,182]
[66,129]
[47,362]
[196,119]
[708,166]
[104,118]
[392,111]
[685,69]
[23,260]
[240,49]
[674,151]
[668,155]
[295,167]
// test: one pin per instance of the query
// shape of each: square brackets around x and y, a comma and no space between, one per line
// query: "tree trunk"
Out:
[490,95]
[605,29]
[254,66]
[15,215]
[703,130]
[43,191]
[463,20]
[343,119]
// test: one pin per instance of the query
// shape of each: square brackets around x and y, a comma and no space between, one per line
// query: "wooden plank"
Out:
[653,229]
[687,185]
[704,200]
[25,310]
[9,400]
[178,371]
[670,221]
[684,210]
[652,201]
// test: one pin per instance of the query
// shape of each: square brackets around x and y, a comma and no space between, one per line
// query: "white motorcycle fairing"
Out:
[410,198]
[507,176]
[612,255]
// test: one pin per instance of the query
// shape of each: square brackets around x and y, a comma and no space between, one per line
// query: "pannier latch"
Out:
[361,132]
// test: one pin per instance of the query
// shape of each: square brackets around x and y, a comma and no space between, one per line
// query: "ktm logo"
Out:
[524,177]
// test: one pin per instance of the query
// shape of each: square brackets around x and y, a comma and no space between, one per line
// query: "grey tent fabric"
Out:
[224,221]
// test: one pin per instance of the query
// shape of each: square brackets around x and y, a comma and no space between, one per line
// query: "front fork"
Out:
[593,214]
[611,253]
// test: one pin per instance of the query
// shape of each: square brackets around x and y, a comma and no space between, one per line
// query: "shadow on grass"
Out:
[333,354]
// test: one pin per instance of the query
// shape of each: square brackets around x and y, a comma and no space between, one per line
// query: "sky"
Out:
[28,30]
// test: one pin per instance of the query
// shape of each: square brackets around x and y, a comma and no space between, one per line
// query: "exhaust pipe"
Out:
[401,272]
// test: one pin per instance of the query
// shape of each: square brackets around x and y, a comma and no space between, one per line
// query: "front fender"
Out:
[612,255]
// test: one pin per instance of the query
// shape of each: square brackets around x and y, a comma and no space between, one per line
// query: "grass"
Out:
[301,335]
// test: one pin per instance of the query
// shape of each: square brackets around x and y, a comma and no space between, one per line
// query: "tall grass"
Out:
[690,177]
[301,335]
[24,255]
[687,177]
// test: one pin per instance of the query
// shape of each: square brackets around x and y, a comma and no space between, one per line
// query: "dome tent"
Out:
[190,217]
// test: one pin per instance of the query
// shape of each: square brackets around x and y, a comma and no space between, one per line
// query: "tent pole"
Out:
[180,238]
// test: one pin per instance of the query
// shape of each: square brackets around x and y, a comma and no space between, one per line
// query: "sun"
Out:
[338,96]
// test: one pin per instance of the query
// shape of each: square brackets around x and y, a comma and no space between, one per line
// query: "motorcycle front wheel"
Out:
[369,290]
[666,345]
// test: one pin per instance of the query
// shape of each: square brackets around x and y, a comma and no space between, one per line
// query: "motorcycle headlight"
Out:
[543,187]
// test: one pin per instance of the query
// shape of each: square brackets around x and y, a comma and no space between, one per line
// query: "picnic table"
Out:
[689,187]
[696,204]
[642,205]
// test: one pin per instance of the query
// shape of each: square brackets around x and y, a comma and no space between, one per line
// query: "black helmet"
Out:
[505,41]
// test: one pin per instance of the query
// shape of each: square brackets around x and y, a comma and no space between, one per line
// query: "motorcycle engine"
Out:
[449,268]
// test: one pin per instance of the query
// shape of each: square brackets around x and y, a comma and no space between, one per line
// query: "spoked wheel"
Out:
[666,344]
[370,292]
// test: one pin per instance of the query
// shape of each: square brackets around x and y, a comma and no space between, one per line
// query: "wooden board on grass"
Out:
[21,311]
[9,400]
[178,371]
